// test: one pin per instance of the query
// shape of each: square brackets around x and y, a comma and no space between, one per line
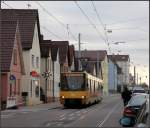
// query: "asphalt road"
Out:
[105,114]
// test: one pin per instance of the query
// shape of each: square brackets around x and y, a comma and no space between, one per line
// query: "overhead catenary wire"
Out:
[50,14]
[92,24]
[43,27]
[51,32]
[70,33]
[7,5]
[60,22]
[98,15]
[129,29]
[125,21]
[102,24]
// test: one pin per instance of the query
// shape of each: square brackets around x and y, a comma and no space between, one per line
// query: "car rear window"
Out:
[137,100]
[138,91]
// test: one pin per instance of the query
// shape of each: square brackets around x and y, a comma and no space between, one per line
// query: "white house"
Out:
[62,61]
[123,62]
[46,70]
[55,72]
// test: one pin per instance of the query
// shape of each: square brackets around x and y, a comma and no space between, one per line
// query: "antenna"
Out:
[29,5]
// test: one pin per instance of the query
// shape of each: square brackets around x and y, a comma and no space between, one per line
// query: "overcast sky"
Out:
[128,20]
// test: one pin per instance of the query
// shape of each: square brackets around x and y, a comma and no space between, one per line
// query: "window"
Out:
[33,60]
[10,90]
[90,86]
[15,87]
[19,87]
[37,91]
[15,57]
[37,62]
[50,65]
[31,88]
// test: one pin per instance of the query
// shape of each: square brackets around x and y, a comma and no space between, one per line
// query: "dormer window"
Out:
[15,57]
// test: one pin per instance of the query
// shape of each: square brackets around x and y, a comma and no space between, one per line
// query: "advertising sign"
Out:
[12,79]
[11,102]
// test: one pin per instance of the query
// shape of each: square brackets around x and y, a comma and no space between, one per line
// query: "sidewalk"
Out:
[47,106]
[51,105]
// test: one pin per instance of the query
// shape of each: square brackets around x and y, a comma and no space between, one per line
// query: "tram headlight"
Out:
[63,97]
[82,97]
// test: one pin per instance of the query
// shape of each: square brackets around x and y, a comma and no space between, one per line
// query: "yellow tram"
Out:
[79,88]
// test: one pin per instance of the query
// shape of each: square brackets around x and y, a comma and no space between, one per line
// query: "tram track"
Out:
[97,107]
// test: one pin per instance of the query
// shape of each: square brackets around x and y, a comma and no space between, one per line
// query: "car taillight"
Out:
[129,111]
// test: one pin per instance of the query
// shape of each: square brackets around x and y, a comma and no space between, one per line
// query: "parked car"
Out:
[137,90]
[134,111]
[148,91]
[147,102]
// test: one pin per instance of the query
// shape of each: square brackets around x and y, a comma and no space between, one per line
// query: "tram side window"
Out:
[90,86]
[99,86]
[94,86]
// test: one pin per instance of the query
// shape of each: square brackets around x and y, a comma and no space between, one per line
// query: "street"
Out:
[105,114]
[56,55]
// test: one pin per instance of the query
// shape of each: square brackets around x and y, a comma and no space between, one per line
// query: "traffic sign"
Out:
[46,74]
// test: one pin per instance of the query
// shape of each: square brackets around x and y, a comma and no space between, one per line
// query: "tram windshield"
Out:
[71,82]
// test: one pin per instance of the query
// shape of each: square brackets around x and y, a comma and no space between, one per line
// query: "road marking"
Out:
[71,118]
[62,118]
[84,111]
[108,115]
[71,114]
[91,109]
[59,124]
[82,117]
[48,124]
[7,116]
[78,112]
[62,115]
[24,112]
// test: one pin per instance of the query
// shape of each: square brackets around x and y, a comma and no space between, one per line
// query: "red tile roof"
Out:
[7,39]
[63,47]
[54,52]
[119,57]
[8,30]
[27,19]
[92,54]
[71,55]
[45,46]
[88,66]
